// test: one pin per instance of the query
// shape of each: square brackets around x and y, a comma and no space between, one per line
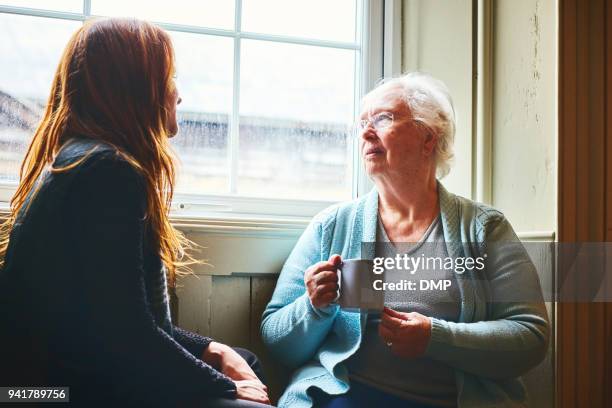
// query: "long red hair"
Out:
[112,84]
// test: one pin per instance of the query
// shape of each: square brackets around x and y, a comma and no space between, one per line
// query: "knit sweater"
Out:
[493,343]
[83,298]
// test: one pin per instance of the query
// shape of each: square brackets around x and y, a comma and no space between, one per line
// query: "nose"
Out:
[368,132]
[179,100]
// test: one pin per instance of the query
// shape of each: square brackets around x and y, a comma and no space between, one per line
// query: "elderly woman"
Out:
[465,346]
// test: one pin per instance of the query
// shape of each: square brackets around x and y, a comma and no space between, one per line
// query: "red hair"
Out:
[112,84]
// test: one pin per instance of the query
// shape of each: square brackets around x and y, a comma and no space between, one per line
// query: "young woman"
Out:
[88,247]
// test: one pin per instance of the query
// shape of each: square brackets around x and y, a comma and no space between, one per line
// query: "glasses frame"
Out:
[375,121]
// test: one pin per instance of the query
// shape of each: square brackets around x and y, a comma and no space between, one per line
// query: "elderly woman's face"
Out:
[399,149]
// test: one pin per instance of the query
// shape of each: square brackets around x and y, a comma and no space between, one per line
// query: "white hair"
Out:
[431,106]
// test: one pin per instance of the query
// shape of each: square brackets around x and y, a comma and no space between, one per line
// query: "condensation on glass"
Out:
[204,81]
[31,48]
[279,130]
[317,19]
[295,145]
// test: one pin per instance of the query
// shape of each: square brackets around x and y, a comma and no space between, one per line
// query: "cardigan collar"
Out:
[367,220]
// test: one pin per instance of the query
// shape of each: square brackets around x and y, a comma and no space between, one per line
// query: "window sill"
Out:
[250,225]
[233,224]
[240,225]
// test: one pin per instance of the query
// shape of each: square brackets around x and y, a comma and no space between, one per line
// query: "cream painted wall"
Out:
[437,39]
[524,112]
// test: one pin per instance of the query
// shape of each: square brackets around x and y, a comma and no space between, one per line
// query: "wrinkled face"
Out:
[173,100]
[402,148]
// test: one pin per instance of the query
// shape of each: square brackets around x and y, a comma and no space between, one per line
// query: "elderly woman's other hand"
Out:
[321,281]
[407,334]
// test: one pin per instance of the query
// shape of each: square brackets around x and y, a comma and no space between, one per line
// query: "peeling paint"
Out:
[535,20]
[524,112]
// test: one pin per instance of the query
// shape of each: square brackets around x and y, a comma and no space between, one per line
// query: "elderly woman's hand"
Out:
[407,334]
[321,281]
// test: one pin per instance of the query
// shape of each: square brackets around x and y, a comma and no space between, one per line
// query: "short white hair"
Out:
[431,105]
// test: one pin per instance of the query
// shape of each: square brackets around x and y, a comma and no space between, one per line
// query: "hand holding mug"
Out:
[321,281]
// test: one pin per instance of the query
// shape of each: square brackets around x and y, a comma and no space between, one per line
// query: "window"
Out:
[269,88]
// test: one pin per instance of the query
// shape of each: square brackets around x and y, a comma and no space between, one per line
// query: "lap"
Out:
[358,396]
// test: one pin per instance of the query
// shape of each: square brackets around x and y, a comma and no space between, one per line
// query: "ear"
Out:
[429,143]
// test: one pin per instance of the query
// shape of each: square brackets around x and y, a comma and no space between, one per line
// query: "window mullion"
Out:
[87,8]
[235,120]
[358,92]
[372,42]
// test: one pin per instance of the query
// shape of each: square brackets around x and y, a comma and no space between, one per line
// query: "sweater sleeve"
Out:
[291,327]
[105,223]
[192,342]
[515,336]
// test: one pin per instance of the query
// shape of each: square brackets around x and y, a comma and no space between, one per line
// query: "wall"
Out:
[524,135]
[524,112]
[437,39]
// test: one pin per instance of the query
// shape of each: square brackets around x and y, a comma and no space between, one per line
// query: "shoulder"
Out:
[92,160]
[78,149]
[98,175]
[479,213]
[474,218]
[485,222]
[339,212]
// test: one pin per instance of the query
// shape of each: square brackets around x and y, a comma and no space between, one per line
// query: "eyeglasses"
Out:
[380,121]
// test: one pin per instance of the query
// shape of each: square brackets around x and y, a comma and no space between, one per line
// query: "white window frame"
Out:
[378,54]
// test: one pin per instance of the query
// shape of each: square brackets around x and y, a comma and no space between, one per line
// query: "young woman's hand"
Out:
[225,359]
[234,366]
[252,390]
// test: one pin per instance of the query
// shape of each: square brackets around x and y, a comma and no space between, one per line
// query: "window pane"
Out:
[204,80]
[74,6]
[295,104]
[320,19]
[27,69]
[205,13]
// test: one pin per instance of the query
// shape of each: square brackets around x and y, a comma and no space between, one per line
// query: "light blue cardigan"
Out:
[490,347]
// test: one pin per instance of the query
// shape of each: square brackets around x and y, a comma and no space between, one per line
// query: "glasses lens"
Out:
[382,121]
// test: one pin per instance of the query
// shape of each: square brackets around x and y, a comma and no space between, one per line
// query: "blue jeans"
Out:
[361,395]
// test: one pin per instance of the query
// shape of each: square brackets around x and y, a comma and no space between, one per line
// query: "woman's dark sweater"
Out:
[83,300]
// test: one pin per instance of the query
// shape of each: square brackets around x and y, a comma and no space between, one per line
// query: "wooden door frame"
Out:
[584,330]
